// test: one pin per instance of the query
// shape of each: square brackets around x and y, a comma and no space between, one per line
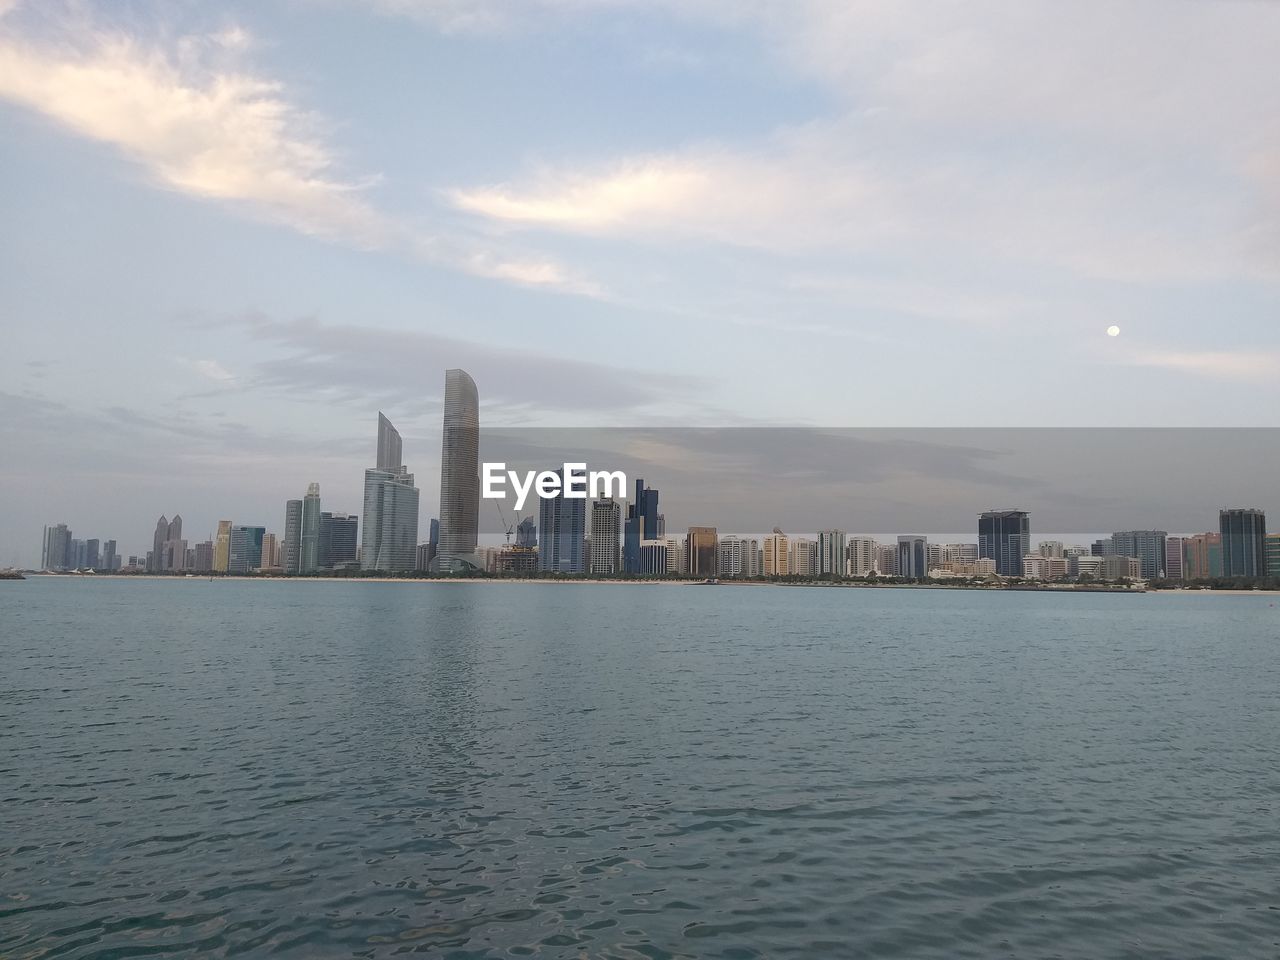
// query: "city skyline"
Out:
[635,214]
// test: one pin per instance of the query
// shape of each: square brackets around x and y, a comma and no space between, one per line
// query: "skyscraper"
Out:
[776,554]
[606,536]
[913,557]
[57,548]
[310,560]
[642,524]
[390,452]
[291,549]
[1147,545]
[245,549]
[459,474]
[527,533]
[1174,552]
[390,537]
[861,556]
[562,528]
[831,552]
[700,554]
[1005,537]
[1244,539]
[222,547]
[338,541]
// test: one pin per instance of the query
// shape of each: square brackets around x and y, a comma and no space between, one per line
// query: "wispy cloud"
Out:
[1225,365]
[201,122]
[376,365]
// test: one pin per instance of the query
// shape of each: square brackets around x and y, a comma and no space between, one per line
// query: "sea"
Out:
[239,768]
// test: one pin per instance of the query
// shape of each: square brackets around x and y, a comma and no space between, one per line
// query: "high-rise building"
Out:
[203,560]
[245,554]
[222,547]
[1273,554]
[804,557]
[338,541]
[1244,536]
[110,559]
[1050,548]
[56,554]
[776,554]
[310,560]
[459,474]
[562,528]
[157,543]
[1147,545]
[700,552]
[831,553]
[1202,556]
[643,523]
[887,560]
[1173,558]
[389,540]
[913,556]
[390,447]
[1005,537]
[291,549]
[606,537]
[739,557]
[526,533]
[270,552]
[861,554]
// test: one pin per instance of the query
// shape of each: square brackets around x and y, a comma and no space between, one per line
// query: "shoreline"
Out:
[550,581]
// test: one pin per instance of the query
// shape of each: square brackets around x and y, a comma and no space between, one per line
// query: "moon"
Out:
[1113,331]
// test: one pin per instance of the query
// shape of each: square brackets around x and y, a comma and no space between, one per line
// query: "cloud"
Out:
[211,370]
[201,123]
[370,366]
[196,121]
[1225,365]
[1039,134]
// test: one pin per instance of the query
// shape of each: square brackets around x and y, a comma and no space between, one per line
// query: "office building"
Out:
[389,538]
[1147,545]
[459,474]
[56,554]
[202,562]
[339,541]
[562,528]
[1050,548]
[700,552]
[1244,536]
[642,524]
[291,550]
[913,556]
[245,553]
[606,537]
[1005,537]
[222,547]
[310,552]
[110,558]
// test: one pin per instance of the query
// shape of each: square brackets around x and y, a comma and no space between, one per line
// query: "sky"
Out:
[233,232]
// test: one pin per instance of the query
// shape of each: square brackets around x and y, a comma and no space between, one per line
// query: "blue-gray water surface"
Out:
[321,769]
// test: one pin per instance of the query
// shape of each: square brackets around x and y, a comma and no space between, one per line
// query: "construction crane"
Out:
[507,528]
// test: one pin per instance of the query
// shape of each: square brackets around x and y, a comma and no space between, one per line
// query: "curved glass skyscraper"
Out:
[459,474]
[390,536]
